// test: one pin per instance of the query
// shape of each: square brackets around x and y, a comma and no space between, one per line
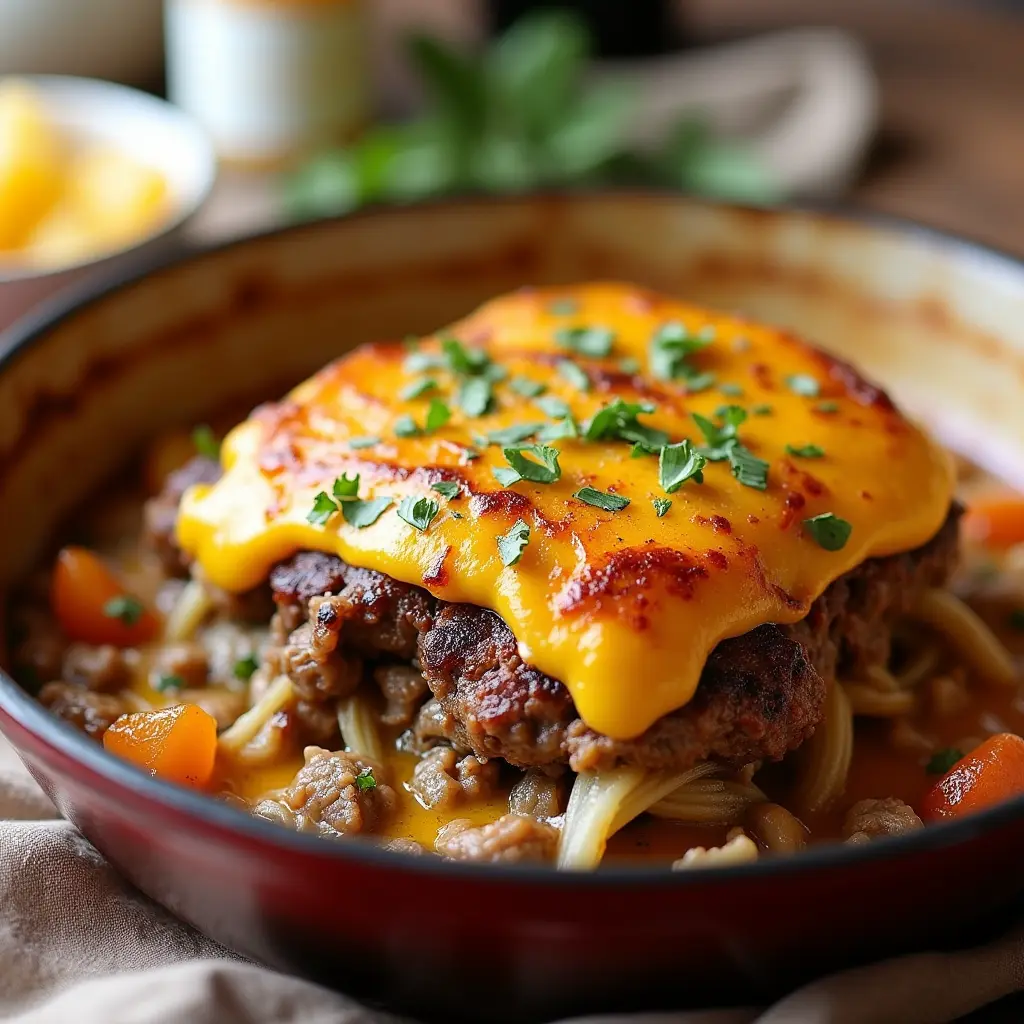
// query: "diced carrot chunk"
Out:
[92,606]
[996,521]
[992,773]
[178,744]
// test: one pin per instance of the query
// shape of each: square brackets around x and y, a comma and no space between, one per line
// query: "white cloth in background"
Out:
[79,945]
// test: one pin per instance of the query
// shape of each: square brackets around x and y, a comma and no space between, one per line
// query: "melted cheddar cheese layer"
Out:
[622,606]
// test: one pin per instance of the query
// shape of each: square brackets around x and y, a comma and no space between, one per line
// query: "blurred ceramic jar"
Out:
[115,39]
[270,80]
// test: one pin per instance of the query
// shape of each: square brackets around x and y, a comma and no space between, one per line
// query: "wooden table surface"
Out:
[950,150]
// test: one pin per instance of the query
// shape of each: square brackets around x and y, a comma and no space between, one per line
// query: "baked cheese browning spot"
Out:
[600,599]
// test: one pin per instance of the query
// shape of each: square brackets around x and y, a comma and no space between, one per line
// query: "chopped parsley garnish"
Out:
[363,442]
[764,409]
[807,451]
[245,667]
[356,512]
[595,342]
[720,437]
[124,607]
[418,362]
[360,513]
[829,531]
[205,442]
[1016,620]
[748,468]
[803,384]
[661,505]
[345,487]
[608,502]
[460,359]
[437,415]
[678,463]
[469,454]
[405,426]
[943,760]
[671,347]
[546,471]
[573,374]
[447,488]
[365,780]
[827,407]
[511,545]
[732,390]
[418,512]
[169,682]
[553,406]
[515,434]
[475,396]
[565,427]
[629,365]
[563,307]
[618,420]
[417,388]
[323,508]
[526,387]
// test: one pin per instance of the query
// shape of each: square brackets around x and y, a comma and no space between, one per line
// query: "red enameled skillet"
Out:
[84,385]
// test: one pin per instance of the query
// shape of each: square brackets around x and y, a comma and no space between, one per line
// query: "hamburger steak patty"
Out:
[760,695]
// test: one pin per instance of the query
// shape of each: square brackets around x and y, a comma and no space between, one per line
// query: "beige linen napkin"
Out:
[78,944]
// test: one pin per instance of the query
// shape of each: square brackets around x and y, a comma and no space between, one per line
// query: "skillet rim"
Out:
[25,711]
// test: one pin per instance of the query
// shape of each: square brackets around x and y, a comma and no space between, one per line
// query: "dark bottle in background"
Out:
[621,28]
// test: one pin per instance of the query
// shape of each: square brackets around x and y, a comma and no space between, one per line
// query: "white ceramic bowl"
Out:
[140,126]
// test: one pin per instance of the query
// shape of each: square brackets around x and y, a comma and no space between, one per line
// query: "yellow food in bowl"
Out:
[65,200]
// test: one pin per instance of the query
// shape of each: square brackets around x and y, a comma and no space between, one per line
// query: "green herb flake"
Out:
[526,387]
[943,760]
[323,508]
[405,426]
[165,683]
[447,488]
[368,441]
[546,471]
[420,362]
[661,506]
[362,513]
[511,545]
[608,502]
[565,427]
[671,346]
[803,384]
[748,469]
[470,454]
[678,463]
[827,407]
[829,531]
[419,513]
[437,415]
[245,667]
[463,360]
[553,406]
[205,442]
[365,780]
[618,421]
[594,342]
[563,307]
[125,607]
[574,374]
[806,451]
[732,390]
[417,389]
[761,410]
[720,437]
[346,488]
[629,365]
[476,396]
[515,434]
